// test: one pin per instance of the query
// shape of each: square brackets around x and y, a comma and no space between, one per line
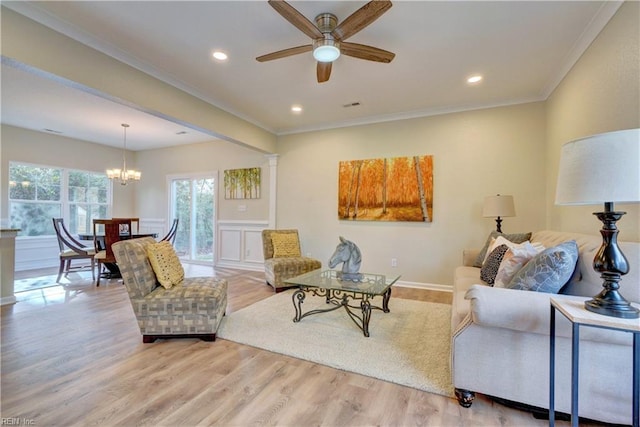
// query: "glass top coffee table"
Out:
[342,293]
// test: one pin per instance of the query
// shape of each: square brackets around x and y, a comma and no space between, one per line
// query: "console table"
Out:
[575,312]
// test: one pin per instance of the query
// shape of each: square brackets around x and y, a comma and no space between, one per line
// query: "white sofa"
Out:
[500,339]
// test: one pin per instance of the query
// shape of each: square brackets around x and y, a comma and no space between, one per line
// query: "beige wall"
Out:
[476,154]
[600,94]
[215,156]
[45,149]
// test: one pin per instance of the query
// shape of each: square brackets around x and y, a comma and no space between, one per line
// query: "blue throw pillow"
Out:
[549,271]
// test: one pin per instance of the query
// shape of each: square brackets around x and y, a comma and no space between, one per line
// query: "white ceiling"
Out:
[523,50]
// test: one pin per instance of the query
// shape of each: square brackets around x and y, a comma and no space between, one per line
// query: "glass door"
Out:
[192,201]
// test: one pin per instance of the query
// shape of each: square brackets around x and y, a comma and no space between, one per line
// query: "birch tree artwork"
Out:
[392,189]
[242,183]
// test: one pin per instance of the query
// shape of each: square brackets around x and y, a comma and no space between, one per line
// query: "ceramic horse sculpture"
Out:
[349,254]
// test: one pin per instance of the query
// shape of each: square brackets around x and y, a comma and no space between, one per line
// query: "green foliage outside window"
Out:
[38,194]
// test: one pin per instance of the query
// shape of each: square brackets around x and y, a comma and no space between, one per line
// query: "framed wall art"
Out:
[242,183]
[391,189]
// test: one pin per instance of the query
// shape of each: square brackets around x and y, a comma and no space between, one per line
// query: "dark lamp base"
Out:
[612,307]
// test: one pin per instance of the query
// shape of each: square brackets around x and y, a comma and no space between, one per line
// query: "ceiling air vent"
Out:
[351,104]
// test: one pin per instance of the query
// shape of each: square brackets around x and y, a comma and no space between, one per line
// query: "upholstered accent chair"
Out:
[192,308]
[283,259]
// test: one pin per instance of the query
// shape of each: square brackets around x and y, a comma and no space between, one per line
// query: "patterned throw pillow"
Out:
[514,259]
[165,263]
[515,238]
[490,267]
[549,271]
[285,245]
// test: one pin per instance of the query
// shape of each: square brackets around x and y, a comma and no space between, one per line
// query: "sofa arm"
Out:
[529,311]
[469,256]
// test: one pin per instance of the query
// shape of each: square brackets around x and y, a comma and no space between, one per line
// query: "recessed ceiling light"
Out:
[220,55]
[296,109]
[474,79]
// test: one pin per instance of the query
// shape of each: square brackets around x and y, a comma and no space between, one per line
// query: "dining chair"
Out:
[111,230]
[136,220]
[171,235]
[71,249]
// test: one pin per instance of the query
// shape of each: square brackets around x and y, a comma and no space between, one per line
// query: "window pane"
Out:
[34,183]
[182,208]
[88,187]
[81,217]
[21,190]
[34,219]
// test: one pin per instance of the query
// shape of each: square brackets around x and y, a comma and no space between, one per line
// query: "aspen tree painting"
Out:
[242,183]
[393,189]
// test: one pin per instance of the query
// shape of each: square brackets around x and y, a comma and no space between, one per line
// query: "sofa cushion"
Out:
[514,259]
[285,245]
[166,264]
[549,271]
[515,238]
[490,267]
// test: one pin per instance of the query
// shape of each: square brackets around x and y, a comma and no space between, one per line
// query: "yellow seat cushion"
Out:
[165,263]
[285,245]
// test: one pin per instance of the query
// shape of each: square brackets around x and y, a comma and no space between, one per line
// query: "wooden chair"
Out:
[71,249]
[112,233]
[136,220]
[171,235]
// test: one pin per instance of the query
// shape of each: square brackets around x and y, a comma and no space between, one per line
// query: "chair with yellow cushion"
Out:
[283,258]
[167,304]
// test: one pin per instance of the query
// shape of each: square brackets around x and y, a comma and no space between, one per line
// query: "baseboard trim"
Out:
[427,286]
[8,300]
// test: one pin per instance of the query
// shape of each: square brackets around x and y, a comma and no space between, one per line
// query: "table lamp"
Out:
[604,168]
[497,207]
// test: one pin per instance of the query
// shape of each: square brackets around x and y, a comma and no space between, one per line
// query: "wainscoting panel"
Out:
[240,244]
[37,252]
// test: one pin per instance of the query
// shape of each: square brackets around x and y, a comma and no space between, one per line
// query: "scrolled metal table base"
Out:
[360,315]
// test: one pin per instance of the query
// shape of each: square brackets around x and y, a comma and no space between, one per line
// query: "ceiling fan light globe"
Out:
[326,53]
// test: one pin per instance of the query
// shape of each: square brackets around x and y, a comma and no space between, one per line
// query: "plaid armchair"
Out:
[192,308]
[283,259]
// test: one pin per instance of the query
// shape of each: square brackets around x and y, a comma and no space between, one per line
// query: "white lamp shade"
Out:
[495,206]
[600,168]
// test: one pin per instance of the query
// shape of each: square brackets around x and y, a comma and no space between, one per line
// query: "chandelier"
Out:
[124,175]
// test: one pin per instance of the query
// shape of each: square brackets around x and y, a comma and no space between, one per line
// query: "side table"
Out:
[575,312]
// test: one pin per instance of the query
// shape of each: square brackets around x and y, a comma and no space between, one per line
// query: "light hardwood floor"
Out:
[72,355]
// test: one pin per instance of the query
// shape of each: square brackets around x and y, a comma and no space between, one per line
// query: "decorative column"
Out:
[7,264]
[273,189]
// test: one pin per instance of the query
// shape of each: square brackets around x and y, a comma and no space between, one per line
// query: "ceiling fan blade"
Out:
[298,20]
[323,71]
[284,53]
[361,18]
[369,53]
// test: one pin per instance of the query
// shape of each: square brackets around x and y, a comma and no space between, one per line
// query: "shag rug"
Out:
[409,346]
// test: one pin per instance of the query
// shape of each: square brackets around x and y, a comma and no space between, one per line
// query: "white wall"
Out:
[600,94]
[476,154]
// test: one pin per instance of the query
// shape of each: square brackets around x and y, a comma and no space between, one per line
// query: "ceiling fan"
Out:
[328,37]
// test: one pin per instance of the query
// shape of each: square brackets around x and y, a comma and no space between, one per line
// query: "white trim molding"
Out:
[239,244]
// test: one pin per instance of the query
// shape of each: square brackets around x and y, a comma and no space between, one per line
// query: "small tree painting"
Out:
[392,189]
[242,183]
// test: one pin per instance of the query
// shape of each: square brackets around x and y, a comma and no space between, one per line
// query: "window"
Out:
[39,193]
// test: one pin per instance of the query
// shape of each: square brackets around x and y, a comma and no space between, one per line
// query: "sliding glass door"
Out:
[192,201]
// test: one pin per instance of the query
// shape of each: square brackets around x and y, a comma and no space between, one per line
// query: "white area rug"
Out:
[408,346]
